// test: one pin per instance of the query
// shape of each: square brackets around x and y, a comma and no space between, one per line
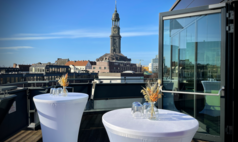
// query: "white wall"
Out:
[150,67]
[73,69]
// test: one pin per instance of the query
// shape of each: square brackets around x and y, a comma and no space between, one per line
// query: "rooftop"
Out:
[91,130]
[77,63]
[113,57]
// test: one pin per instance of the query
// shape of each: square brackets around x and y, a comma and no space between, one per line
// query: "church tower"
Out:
[115,54]
[115,45]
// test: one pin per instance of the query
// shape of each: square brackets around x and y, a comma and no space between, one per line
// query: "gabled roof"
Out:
[77,63]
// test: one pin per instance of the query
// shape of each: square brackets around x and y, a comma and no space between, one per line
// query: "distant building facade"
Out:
[20,77]
[9,70]
[79,66]
[23,68]
[154,65]
[49,68]
[127,76]
[114,67]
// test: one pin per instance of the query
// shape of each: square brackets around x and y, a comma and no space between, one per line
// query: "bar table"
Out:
[173,126]
[60,116]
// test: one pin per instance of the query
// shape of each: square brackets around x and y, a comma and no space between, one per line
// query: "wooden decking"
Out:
[91,130]
[26,136]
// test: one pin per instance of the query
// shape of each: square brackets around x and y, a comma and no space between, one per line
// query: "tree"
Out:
[144,68]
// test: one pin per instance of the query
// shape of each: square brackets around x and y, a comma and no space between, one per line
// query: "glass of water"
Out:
[54,92]
[57,91]
[60,90]
[146,105]
[133,104]
[137,112]
[51,91]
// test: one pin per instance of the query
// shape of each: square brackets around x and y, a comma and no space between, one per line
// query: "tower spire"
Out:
[115,5]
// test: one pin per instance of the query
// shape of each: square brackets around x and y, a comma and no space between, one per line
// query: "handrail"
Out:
[70,79]
[195,93]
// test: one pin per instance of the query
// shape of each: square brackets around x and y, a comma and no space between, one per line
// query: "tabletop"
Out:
[170,123]
[70,97]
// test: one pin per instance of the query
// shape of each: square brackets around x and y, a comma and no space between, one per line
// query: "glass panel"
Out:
[191,63]
[208,114]
[186,66]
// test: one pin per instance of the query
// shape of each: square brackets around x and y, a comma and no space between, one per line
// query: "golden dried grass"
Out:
[63,81]
[152,92]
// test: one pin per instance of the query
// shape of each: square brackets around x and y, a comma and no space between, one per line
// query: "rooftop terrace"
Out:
[103,97]
[91,130]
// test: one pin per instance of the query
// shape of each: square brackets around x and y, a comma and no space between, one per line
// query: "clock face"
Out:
[115,30]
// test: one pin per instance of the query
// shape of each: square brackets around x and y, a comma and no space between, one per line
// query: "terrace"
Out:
[27,127]
[197,65]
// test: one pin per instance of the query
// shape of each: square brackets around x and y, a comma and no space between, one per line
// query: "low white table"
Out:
[172,127]
[60,117]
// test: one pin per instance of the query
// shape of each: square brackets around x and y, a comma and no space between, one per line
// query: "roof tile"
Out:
[77,63]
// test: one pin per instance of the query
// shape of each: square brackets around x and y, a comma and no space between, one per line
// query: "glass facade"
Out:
[192,63]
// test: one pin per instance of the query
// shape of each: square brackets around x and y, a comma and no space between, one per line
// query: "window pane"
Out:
[191,63]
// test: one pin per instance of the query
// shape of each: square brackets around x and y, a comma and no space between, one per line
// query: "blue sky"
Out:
[34,31]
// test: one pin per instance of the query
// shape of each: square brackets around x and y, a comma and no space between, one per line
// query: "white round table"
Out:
[172,127]
[60,116]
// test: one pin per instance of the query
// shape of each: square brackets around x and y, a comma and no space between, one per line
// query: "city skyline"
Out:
[79,30]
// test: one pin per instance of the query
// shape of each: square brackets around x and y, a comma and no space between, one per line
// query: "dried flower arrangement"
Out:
[152,92]
[63,81]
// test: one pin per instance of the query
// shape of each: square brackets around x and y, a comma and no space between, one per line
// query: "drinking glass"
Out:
[57,92]
[54,91]
[51,91]
[133,104]
[60,90]
[146,105]
[137,113]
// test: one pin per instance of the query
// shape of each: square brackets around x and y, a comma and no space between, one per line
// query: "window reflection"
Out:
[192,51]
[192,63]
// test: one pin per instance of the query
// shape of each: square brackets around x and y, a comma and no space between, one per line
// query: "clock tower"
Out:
[115,54]
[115,37]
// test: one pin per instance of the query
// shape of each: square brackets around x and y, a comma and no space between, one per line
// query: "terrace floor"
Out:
[91,130]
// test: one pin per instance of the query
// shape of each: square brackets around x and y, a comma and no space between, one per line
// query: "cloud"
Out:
[16,47]
[82,33]
[7,53]
[28,38]
[132,34]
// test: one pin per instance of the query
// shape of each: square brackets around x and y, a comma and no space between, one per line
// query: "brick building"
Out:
[114,67]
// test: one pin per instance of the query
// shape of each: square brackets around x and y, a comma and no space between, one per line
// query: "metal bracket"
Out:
[229,130]
[230,28]
[230,15]
[93,89]
[221,91]
[28,93]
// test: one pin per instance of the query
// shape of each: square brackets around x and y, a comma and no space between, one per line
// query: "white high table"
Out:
[172,127]
[60,116]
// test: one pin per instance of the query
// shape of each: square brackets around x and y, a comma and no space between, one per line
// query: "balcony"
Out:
[23,124]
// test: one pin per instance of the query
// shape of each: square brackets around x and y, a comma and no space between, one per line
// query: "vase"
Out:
[64,92]
[152,112]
